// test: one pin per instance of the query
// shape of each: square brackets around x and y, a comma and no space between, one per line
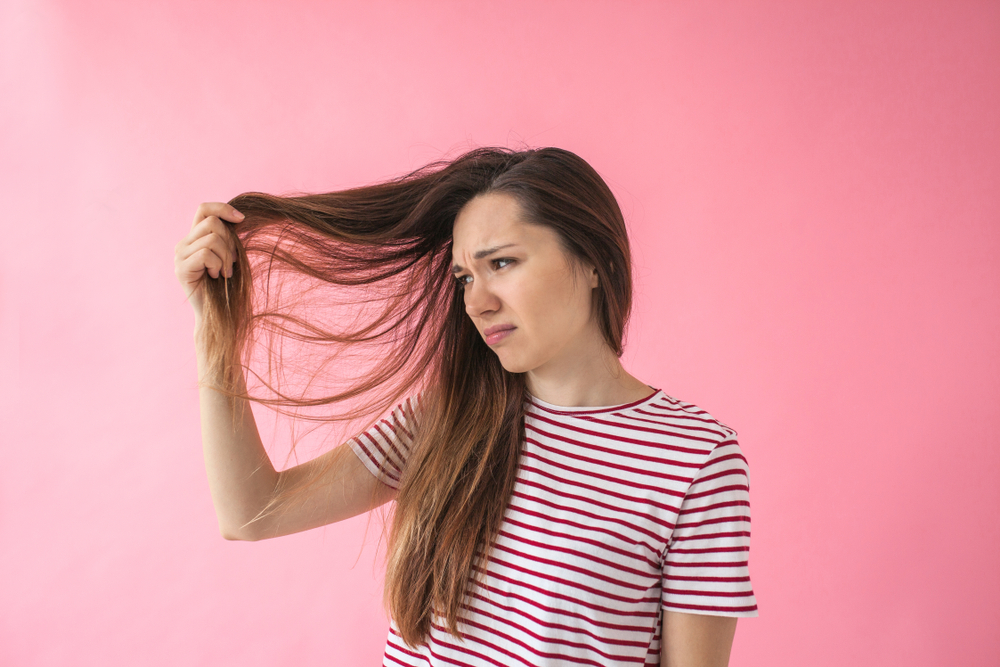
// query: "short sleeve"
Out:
[384,447]
[706,565]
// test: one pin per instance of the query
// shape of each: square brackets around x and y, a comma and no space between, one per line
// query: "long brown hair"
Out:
[394,239]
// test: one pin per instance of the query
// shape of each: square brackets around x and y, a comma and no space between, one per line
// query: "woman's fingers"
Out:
[208,246]
[208,218]
[203,260]
[209,235]
[218,209]
[212,227]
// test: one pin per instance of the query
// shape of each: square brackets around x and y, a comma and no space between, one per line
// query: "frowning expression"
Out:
[528,300]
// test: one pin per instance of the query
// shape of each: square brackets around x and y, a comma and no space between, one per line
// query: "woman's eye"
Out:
[462,282]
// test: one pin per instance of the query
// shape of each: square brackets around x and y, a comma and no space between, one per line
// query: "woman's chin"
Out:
[513,364]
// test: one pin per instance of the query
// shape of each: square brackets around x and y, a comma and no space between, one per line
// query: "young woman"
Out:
[551,508]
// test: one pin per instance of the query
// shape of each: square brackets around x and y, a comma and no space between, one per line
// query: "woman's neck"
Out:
[591,381]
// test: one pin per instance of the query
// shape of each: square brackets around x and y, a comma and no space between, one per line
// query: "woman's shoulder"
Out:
[683,411]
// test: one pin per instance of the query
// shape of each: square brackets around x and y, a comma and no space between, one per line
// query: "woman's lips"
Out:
[498,335]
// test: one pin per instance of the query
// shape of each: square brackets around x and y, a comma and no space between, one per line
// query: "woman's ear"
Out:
[593,277]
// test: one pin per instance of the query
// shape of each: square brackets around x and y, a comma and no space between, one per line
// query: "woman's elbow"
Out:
[238,533]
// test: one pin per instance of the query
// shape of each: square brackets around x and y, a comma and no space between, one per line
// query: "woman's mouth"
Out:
[495,334]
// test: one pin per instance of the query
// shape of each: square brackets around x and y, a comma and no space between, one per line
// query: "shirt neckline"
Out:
[593,409]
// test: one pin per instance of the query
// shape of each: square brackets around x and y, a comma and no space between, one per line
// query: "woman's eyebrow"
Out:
[480,254]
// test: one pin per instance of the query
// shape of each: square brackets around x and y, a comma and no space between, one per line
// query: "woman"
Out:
[551,508]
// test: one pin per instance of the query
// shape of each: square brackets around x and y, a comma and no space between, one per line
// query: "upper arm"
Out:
[334,487]
[705,567]
[706,562]
[696,640]
[356,477]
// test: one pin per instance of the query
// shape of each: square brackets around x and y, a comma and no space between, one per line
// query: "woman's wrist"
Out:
[200,334]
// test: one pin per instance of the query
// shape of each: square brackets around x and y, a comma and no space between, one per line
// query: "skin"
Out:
[531,284]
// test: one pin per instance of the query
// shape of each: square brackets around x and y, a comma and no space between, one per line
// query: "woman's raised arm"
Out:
[241,477]
[243,480]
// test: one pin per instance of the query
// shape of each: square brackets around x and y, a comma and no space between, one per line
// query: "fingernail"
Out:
[238,214]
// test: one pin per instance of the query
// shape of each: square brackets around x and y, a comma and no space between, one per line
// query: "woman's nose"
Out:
[479,299]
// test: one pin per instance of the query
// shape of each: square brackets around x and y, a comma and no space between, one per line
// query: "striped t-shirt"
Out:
[617,512]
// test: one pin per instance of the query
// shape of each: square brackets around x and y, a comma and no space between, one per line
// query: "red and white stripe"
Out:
[617,513]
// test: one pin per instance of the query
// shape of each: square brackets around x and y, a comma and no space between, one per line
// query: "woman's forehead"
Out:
[492,222]
[488,212]
[487,221]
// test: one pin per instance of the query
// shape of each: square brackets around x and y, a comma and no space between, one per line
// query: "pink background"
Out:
[813,191]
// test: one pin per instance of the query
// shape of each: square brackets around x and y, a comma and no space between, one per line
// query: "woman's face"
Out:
[518,278]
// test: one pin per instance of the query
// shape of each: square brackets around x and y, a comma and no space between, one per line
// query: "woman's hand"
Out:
[208,248]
